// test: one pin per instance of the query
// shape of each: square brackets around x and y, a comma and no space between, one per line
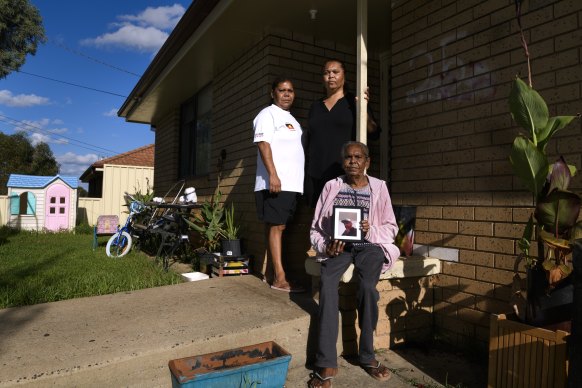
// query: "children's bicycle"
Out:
[121,242]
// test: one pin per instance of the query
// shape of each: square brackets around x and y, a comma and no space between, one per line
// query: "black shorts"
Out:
[275,208]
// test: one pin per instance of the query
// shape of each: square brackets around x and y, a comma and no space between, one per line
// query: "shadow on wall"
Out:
[17,223]
[420,307]
[82,216]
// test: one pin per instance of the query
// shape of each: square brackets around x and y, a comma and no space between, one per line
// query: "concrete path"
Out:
[126,339]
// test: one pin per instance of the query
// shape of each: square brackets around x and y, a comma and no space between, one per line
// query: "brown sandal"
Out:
[378,372]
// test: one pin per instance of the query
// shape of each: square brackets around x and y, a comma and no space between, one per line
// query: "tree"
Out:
[19,156]
[43,160]
[21,31]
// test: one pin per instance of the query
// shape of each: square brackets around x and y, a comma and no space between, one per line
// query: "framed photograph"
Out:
[346,223]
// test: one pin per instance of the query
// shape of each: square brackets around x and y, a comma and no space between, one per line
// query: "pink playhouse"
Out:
[42,202]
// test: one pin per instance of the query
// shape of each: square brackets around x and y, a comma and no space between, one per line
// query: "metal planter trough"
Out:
[264,365]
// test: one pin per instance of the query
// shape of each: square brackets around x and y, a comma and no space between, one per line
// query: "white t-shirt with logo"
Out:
[279,128]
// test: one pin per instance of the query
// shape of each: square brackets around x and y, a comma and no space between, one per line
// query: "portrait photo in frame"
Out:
[346,223]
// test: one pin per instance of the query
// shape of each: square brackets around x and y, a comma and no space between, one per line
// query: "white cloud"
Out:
[59,130]
[147,39]
[145,32]
[111,113]
[39,133]
[163,18]
[74,164]
[21,100]
[36,138]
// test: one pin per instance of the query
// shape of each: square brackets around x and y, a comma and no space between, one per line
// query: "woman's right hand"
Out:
[334,248]
[274,184]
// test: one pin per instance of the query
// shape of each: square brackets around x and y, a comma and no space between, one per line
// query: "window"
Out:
[24,203]
[57,205]
[195,134]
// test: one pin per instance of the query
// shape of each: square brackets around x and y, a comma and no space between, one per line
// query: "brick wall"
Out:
[166,152]
[452,66]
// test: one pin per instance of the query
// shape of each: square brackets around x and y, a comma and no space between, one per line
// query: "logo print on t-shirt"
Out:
[290,126]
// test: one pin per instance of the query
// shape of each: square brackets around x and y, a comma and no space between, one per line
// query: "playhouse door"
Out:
[57,207]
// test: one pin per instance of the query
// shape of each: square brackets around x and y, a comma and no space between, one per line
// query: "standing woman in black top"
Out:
[332,122]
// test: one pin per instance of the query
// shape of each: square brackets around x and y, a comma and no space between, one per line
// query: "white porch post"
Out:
[362,71]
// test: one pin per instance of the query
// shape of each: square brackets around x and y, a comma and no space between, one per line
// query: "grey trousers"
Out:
[368,265]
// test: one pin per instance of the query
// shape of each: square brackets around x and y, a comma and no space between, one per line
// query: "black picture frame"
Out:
[343,216]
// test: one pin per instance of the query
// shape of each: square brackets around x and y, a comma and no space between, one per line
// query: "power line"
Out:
[79,53]
[34,128]
[72,84]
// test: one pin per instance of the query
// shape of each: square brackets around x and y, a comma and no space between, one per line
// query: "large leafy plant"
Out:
[554,220]
[209,222]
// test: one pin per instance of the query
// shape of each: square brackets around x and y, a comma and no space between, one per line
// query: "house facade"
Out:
[439,72]
[109,179]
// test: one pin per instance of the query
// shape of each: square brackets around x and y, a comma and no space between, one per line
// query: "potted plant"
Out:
[547,300]
[406,219]
[209,222]
[554,221]
[230,243]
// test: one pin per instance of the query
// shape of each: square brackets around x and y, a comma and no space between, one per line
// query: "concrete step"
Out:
[127,339]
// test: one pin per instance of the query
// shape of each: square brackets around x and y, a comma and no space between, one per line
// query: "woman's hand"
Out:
[274,183]
[334,248]
[366,95]
[364,226]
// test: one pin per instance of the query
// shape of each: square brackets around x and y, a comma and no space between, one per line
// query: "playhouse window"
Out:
[23,204]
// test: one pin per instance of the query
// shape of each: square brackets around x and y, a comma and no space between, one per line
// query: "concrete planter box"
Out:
[265,364]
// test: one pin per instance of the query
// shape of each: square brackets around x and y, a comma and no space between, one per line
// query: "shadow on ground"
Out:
[446,365]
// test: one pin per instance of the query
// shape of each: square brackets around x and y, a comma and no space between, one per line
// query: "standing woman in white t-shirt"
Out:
[280,169]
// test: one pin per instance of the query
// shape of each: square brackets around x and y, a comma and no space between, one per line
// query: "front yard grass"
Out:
[47,267]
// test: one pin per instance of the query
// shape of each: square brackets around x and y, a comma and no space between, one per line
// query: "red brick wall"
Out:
[452,64]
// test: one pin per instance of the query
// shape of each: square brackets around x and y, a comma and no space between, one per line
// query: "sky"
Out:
[69,93]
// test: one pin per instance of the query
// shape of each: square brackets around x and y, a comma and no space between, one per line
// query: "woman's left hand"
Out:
[366,95]
[364,226]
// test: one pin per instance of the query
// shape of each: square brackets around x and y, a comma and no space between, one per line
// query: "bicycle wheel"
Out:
[118,245]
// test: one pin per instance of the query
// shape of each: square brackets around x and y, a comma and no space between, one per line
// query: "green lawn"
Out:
[47,267]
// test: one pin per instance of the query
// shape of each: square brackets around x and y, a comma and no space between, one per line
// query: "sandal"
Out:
[286,287]
[317,381]
[378,372]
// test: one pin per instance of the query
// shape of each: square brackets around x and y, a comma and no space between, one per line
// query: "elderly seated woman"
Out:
[371,256]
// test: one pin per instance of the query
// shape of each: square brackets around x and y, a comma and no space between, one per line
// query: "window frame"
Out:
[18,199]
[193,137]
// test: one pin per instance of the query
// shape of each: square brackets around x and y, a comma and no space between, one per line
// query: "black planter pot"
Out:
[547,308]
[230,247]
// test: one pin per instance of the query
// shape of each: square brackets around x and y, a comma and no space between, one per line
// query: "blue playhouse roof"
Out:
[38,182]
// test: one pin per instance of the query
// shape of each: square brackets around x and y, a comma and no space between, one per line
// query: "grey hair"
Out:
[355,143]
